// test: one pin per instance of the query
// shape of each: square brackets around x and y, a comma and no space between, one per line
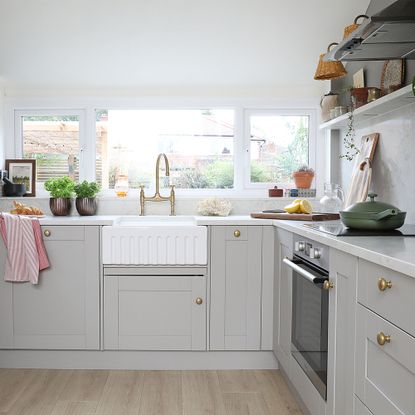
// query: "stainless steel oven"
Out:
[310,310]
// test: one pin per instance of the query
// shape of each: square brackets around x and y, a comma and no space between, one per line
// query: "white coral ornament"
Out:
[214,207]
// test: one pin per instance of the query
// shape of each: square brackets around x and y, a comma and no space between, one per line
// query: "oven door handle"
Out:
[307,275]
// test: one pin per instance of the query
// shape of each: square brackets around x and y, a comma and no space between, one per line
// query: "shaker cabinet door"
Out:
[62,310]
[154,312]
[236,270]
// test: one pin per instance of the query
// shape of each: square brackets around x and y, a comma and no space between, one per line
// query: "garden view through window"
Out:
[198,143]
[279,145]
[53,140]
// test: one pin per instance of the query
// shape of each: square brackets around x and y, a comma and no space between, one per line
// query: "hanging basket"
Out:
[330,69]
[349,29]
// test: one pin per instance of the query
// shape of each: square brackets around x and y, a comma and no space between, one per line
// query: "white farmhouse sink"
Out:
[154,240]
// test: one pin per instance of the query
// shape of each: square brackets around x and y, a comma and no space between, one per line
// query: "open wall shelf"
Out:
[391,102]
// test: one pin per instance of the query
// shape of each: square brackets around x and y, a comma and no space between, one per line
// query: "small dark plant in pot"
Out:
[86,203]
[61,192]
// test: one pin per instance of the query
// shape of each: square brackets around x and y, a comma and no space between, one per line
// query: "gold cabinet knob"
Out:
[46,233]
[199,301]
[382,338]
[383,284]
[237,234]
[328,285]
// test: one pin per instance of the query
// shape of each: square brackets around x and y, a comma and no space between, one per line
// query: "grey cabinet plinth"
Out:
[62,311]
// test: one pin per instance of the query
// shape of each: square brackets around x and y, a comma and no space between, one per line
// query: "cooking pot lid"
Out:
[370,206]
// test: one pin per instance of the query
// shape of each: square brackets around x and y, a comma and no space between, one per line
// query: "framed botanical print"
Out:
[23,171]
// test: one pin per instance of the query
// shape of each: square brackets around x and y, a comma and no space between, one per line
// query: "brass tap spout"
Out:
[157,196]
[166,162]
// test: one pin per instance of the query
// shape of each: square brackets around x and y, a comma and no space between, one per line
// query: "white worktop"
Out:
[397,253]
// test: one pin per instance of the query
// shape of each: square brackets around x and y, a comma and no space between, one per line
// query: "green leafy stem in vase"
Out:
[349,143]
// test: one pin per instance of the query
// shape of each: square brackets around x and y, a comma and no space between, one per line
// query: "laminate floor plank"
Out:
[238,381]
[122,393]
[85,385]
[162,393]
[74,408]
[202,394]
[252,403]
[12,384]
[276,393]
[40,396]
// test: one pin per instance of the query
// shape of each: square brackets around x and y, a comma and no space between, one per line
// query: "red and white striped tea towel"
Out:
[26,254]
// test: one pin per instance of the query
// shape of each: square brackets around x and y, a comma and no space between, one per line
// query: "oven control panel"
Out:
[311,250]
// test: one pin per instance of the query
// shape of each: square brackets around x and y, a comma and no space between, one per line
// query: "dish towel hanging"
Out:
[26,253]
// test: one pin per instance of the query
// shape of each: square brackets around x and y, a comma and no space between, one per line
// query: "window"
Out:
[278,144]
[53,139]
[198,143]
[211,150]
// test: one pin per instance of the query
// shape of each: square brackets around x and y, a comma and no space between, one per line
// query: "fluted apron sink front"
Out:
[154,240]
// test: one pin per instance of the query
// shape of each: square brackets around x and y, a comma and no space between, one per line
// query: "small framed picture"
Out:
[23,171]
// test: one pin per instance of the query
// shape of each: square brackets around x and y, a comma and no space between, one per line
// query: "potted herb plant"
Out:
[86,203]
[303,177]
[61,190]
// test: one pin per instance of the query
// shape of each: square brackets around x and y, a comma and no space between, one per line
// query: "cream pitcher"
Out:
[327,103]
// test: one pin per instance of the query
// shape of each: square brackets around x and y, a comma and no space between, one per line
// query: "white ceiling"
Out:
[169,46]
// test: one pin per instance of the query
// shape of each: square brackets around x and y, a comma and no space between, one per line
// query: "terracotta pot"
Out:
[60,206]
[359,96]
[302,179]
[86,206]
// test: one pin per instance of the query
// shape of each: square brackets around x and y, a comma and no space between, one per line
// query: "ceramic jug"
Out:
[333,199]
[327,103]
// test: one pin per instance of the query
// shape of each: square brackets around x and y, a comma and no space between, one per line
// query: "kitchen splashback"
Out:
[184,206]
[394,164]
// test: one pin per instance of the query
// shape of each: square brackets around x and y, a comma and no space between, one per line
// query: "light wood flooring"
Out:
[102,392]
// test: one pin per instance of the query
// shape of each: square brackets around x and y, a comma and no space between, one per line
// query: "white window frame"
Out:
[86,108]
[312,131]
[86,147]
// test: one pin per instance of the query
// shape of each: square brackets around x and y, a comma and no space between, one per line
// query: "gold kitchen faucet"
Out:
[157,196]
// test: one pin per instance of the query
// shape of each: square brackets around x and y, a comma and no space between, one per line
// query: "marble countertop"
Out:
[397,253]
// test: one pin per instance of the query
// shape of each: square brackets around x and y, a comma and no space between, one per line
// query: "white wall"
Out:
[394,164]
[168,47]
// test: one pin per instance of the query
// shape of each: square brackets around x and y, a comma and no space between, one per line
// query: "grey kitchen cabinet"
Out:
[157,308]
[241,273]
[62,311]
[342,329]
[385,343]
[283,301]
[385,365]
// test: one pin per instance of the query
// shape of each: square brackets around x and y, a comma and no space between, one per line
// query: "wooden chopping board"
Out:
[312,217]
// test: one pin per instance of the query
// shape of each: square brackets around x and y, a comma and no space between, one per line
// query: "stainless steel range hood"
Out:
[388,33]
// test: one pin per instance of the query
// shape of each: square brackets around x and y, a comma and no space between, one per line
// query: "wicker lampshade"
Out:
[330,69]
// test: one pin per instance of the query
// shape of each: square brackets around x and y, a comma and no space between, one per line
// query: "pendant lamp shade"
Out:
[330,69]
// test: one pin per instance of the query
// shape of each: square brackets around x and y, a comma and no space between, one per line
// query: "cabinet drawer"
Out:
[385,375]
[63,233]
[396,303]
[237,233]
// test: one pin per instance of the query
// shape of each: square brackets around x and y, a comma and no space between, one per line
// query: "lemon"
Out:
[305,206]
[293,207]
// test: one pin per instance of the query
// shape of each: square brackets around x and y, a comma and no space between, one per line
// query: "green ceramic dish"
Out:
[373,215]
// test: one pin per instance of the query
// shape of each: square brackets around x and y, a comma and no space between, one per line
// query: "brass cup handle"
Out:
[383,284]
[328,285]
[199,301]
[382,338]
[237,234]
[47,233]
